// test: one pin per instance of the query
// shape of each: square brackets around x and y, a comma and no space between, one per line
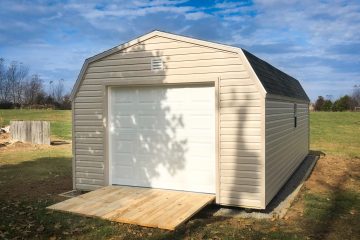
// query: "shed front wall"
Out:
[286,145]
[240,180]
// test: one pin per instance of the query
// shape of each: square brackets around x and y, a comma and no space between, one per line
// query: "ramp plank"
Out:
[159,208]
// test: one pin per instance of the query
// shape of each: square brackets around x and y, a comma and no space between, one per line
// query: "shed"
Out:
[173,112]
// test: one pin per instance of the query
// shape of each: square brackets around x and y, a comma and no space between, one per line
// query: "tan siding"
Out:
[188,58]
[163,77]
[244,181]
[88,117]
[239,200]
[240,160]
[286,146]
[168,65]
[177,71]
[93,164]
[88,140]
[240,119]
[240,142]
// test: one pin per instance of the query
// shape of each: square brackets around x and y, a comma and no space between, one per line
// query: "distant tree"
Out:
[58,91]
[5,83]
[40,98]
[49,100]
[342,104]
[356,95]
[319,103]
[22,74]
[32,88]
[2,79]
[66,103]
[15,77]
[327,106]
[11,76]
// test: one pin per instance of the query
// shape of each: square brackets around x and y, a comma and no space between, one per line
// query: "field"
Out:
[60,120]
[328,207]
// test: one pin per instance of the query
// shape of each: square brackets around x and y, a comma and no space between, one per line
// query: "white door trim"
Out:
[200,81]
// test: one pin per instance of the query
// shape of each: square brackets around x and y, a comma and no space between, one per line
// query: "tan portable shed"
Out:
[173,112]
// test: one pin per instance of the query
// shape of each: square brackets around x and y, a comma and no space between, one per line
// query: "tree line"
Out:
[19,89]
[344,103]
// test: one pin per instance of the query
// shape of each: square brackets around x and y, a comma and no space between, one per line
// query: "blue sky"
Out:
[317,42]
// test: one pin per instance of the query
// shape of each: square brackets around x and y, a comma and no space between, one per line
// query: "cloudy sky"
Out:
[317,42]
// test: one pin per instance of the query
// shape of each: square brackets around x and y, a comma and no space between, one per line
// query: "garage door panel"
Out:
[119,97]
[164,137]
[121,134]
[123,146]
[124,174]
[123,122]
[122,159]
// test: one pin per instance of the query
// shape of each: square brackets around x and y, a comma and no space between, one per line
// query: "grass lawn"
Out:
[60,120]
[336,133]
[328,207]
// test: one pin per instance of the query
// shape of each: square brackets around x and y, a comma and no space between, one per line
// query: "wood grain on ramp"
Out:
[147,207]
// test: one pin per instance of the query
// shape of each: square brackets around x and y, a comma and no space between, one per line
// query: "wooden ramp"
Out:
[147,207]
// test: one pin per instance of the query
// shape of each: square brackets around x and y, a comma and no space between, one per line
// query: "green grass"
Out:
[60,120]
[30,180]
[333,215]
[25,165]
[336,133]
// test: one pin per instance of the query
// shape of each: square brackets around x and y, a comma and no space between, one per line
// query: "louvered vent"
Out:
[157,64]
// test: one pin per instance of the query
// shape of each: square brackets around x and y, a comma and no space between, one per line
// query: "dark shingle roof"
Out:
[275,81]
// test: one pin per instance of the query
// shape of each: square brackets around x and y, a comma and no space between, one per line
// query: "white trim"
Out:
[217,139]
[108,128]
[73,160]
[107,86]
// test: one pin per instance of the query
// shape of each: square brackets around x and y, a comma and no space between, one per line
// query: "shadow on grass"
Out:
[36,178]
[317,153]
[333,215]
[59,142]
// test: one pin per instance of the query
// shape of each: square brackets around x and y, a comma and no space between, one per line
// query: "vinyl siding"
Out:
[241,163]
[286,146]
[240,167]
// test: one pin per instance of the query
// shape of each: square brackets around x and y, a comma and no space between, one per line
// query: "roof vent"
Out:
[157,64]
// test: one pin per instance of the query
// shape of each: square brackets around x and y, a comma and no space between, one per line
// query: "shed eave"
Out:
[285,98]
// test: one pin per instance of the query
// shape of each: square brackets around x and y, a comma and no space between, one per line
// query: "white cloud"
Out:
[196,15]
[304,38]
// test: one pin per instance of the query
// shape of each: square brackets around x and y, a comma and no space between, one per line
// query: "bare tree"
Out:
[33,88]
[10,82]
[22,74]
[356,95]
[15,77]
[2,79]
[58,91]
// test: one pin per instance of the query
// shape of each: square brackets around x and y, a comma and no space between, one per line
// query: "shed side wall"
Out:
[286,146]
[240,163]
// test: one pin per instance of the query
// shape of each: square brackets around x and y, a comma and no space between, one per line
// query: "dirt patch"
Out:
[4,137]
[333,173]
[4,140]
[8,145]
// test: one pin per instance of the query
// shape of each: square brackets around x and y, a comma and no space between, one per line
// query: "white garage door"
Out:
[163,137]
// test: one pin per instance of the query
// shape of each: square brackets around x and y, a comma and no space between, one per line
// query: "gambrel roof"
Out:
[274,80]
[270,79]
